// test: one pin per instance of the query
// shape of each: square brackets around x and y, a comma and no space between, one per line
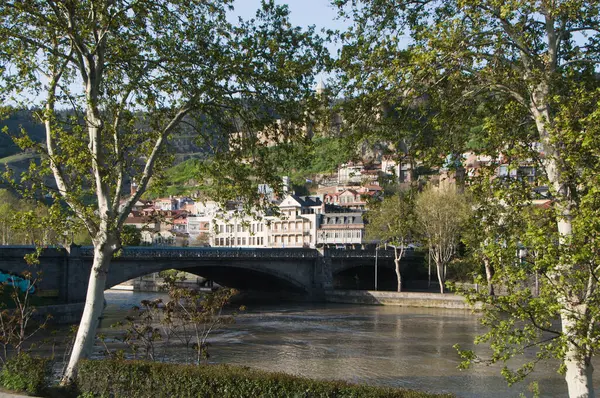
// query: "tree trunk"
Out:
[579,365]
[398,277]
[489,273]
[397,257]
[94,306]
[441,276]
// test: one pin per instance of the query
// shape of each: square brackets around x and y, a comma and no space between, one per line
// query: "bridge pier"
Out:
[76,276]
[323,271]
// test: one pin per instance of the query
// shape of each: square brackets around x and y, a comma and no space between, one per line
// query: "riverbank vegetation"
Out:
[143,379]
[148,379]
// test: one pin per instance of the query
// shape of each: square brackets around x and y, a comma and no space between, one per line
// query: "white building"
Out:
[231,230]
[296,226]
[341,229]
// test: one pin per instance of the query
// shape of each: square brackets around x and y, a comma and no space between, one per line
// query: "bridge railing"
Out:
[206,252]
[211,252]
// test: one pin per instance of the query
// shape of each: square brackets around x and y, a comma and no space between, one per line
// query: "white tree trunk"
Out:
[441,276]
[398,253]
[579,366]
[398,276]
[94,305]
[489,273]
[577,360]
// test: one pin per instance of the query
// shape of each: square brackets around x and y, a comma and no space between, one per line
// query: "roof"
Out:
[302,201]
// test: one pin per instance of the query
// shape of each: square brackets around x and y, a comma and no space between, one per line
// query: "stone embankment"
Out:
[405,299]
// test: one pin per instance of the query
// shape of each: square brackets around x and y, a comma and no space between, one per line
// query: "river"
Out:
[379,345]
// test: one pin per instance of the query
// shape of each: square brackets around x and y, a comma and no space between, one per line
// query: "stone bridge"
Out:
[65,272]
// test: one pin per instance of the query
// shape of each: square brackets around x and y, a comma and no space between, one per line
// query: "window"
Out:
[239,241]
[243,241]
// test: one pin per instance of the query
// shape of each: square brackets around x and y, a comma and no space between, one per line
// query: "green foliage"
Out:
[321,155]
[442,214]
[25,373]
[143,379]
[15,120]
[135,73]
[300,160]
[393,220]
[515,82]
[131,236]
[171,274]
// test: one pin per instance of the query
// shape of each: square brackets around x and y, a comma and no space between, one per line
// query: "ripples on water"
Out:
[388,346]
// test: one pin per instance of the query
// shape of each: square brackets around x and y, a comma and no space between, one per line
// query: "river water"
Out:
[379,345]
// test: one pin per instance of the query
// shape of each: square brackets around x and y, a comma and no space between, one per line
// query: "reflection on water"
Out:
[390,346]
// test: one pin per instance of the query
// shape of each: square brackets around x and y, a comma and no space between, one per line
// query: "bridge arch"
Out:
[237,275]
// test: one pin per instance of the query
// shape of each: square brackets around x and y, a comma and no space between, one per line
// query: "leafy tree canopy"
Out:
[133,72]
[516,82]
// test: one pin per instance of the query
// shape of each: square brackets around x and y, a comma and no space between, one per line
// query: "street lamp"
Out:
[376,251]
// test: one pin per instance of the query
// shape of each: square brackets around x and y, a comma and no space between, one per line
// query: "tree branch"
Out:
[124,212]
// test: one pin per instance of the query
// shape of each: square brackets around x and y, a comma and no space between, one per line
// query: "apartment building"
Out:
[341,230]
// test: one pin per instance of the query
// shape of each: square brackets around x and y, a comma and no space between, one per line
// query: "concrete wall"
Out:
[405,299]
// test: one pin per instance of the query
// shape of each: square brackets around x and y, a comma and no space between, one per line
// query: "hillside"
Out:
[183,142]
[11,126]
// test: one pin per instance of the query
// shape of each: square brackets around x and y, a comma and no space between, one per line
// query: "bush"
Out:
[137,379]
[25,373]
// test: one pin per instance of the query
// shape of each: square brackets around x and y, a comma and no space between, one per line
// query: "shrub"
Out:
[25,373]
[138,379]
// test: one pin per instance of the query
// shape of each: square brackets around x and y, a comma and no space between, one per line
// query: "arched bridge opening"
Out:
[240,278]
[360,273]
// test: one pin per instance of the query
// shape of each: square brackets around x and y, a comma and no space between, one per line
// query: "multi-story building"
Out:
[232,230]
[298,223]
[199,230]
[166,204]
[295,226]
[341,230]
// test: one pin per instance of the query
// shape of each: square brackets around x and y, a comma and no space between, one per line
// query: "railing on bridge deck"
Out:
[225,252]
[336,253]
[206,252]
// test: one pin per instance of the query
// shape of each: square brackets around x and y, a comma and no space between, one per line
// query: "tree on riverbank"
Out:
[516,82]
[441,214]
[118,63]
[392,222]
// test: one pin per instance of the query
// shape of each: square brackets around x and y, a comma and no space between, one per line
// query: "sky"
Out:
[303,12]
